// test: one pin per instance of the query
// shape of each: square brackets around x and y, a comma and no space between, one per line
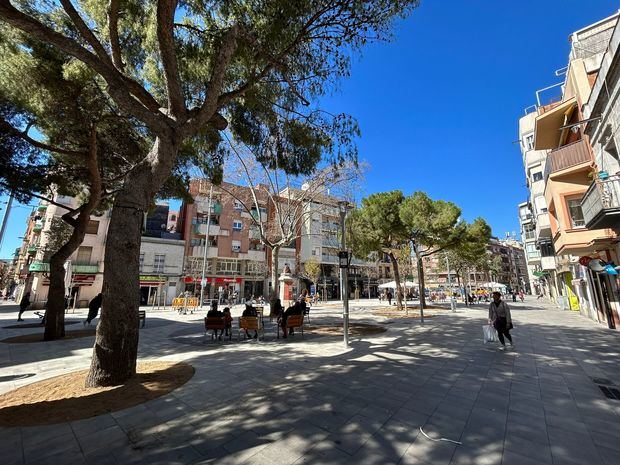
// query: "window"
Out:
[537,176]
[173,217]
[228,267]
[541,204]
[158,263]
[141,262]
[575,213]
[83,255]
[92,227]
[237,225]
[238,205]
[529,142]
[236,246]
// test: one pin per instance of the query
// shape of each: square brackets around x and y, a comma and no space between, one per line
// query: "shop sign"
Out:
[151,280]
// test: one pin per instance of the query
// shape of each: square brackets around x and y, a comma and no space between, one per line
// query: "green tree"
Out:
[312,267]
[377,227]
[471,251]
[433,226]
[186,71]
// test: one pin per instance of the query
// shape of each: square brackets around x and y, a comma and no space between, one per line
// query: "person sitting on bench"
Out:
[296,309]
[215,313]
[250,311]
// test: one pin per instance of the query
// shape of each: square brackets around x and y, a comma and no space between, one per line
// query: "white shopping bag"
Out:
[489,334]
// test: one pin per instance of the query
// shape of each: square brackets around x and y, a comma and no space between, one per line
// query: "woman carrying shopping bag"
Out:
[499,317]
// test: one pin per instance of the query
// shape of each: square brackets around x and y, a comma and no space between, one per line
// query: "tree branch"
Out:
[6,126]
[115,44]
[85,31]
[165,36]
[211,102]
[130,96]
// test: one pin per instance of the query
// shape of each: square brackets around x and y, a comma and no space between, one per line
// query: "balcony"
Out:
[85,267]
[547,263]
[533,257]
[216,207]
[569,156]
[38,226]
[329,258]
[543,226]
[42,208]
[332,243]
[529,235]
[601,204]
[201,229]
[32,249]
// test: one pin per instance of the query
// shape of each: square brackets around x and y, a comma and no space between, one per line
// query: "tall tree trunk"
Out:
[55,313]
[275,284]
[421,284]
[116,345]
[399,297]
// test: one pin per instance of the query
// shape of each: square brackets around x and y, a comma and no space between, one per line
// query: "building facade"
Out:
[236,258]
[559,137]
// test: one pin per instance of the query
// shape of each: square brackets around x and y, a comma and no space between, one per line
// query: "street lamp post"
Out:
[343,258]
[452,302]
[206,251]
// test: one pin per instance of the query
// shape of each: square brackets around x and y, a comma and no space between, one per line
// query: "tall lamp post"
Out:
[343,261]
[452,302]
[204,258]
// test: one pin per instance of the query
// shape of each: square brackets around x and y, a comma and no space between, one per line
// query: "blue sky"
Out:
[438,106]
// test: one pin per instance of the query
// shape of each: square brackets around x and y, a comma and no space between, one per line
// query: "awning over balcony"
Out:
[548,125]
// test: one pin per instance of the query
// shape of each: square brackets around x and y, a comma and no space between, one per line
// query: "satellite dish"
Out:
[596,265]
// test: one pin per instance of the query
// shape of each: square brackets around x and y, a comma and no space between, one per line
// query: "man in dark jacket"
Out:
[250,311]
[23,305]
[93,308]
[296,309]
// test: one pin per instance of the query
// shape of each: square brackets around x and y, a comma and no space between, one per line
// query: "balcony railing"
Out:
[329,258]
[547,263]
[566,157]
[543,225]
[601,203]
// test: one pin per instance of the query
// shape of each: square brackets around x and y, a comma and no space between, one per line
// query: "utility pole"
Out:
[344,271]
[204,258]
[5,219]
[452,302]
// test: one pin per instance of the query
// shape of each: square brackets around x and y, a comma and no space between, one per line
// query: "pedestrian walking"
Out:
[389,296]
[514,295]
[93,308]
[521,295]
[500,318]
[23,305]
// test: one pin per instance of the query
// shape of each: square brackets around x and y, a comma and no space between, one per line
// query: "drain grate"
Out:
[610,393]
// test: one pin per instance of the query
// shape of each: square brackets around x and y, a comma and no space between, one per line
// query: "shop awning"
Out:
[548,125]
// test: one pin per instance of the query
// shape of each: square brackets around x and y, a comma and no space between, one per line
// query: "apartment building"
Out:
[601,202]
[513,272]
[84,269]
[236,259]
[161,257]
[320,240]
[558,137]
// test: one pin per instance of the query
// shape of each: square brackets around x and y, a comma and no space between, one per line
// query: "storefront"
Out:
[152,289]
[216,287]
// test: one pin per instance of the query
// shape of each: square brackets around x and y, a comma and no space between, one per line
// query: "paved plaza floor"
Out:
[310,401]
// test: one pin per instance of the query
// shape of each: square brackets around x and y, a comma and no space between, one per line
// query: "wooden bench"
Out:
[249,323]
[292,322]
[142,317]
[214,323]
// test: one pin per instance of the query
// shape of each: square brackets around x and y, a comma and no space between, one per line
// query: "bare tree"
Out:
[290,201]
